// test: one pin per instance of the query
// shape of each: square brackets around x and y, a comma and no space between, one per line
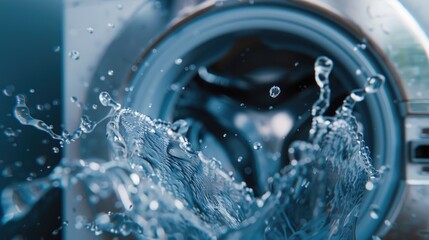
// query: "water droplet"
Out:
[274,91]
[55,232]
[323,65]
[9,90]
[358,72]
[240,159]
[179,205]
[46,106]
[56,48]
[55,150]
[387,223]
[102,218]
[135,178]
[358,95]
[9,132]
[224,135]
[7,172]
[322,69]
[374,83]
[110,72]
[75,55]
[257,145]
[153,205]
[369,186]
[174,87]
[86,125]
[373,213]
[119,6]
[107,101]
[90,30]
[180,126]
[31,90]
[276,156]
[361,46]
[178,61]
[111,25]
[73,99]
[41,160]
[105,98]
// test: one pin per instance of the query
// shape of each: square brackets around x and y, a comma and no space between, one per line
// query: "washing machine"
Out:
[213,63]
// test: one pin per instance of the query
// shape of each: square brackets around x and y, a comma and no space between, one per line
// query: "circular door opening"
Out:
[216,70]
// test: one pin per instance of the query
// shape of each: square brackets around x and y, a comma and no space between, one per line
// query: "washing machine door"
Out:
[213,64]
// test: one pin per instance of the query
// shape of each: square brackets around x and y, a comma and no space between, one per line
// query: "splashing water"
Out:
[320,192]
[168,190]
[22,114]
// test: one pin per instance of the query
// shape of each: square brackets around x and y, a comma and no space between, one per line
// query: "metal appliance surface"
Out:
[213,62]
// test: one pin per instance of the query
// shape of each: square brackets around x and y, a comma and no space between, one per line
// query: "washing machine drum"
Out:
[216,65]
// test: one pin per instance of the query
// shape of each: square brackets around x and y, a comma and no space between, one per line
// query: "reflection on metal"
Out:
[402,43]
[412,222]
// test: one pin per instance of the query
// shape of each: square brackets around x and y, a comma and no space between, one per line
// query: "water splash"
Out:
[23,115]
[320,193]
[17,201]
[166,189]
[159,153]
